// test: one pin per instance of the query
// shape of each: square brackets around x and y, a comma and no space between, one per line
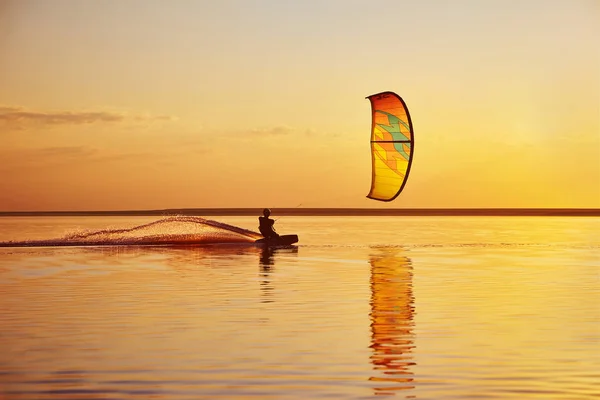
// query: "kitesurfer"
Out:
[265,225]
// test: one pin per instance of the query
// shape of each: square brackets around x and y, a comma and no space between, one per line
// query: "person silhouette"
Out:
[265,225]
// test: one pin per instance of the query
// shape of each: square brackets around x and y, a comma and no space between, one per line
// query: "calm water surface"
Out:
[428,308]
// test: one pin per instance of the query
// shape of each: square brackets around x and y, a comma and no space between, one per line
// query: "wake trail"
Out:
[176,230]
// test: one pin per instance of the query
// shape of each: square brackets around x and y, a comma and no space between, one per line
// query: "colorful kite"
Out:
[392,145]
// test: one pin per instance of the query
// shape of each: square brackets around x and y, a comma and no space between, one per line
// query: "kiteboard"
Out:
[283,240]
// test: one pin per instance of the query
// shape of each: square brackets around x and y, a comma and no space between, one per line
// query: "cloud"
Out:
[277,130]
[285,130]
[7,109]
[66,151]
[19,117]
[241,133]
[148,117]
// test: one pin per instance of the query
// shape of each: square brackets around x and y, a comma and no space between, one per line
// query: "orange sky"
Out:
[142,105]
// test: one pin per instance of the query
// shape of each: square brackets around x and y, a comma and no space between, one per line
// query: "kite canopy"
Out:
[392,145]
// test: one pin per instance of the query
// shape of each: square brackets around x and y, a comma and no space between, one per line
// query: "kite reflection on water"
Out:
[392,321]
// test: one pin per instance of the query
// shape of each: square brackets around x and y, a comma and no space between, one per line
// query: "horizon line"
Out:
[321,211]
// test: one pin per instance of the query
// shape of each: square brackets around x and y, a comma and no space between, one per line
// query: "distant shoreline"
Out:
[326,212]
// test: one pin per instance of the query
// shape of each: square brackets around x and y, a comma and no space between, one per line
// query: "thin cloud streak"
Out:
[18,116]
[263,132]
[66,151]
[277,130]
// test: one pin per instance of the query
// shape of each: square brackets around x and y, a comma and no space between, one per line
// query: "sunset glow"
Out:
[146,105]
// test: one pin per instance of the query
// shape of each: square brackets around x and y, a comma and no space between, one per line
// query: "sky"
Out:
[142,104]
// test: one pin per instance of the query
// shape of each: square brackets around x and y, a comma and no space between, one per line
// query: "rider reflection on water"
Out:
[265,225]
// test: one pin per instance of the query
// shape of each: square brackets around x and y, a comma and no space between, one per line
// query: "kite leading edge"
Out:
[392,145]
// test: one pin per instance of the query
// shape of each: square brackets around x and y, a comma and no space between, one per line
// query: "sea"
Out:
[139,307]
